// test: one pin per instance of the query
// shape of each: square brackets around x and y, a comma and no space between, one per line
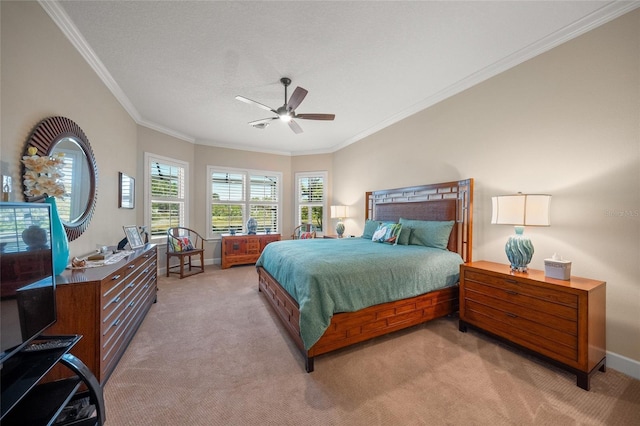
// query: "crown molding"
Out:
[601,16]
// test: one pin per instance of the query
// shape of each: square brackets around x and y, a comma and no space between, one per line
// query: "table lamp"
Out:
[520,210]
[339,212]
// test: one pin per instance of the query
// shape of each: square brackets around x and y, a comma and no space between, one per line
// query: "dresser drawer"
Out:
[253,246]
[531,335]
[112,306]
[108,286]
[521,303]
[518,286]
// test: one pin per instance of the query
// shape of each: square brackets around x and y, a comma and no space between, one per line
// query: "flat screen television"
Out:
[27,283]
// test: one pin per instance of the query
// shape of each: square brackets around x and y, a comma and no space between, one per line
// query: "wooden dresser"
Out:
[244,249]
[106,306]
[561,321]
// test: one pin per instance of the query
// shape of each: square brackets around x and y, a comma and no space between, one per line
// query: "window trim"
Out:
[247,201]
[325,197]
[148,159]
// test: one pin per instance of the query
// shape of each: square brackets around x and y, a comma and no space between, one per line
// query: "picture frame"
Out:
[126,191]
[133,236]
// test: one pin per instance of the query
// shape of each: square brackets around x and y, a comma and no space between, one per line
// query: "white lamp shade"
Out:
[339,212]
[521,209]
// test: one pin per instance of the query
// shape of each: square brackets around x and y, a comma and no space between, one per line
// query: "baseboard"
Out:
[625,365]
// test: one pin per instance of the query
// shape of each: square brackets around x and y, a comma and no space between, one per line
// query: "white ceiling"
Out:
[176,66]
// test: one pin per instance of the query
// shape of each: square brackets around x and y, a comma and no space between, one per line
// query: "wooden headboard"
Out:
[440,201]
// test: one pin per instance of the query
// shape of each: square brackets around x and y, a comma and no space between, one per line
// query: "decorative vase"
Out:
[340,229]
[252,226]
[519,250]
[59,241]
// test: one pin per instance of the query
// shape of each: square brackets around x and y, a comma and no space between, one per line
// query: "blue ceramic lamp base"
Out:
[519,250]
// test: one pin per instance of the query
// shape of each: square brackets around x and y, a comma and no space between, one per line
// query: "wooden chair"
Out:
[304,231]
[184,243]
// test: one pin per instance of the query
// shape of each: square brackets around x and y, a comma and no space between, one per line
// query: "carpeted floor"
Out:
[212,352]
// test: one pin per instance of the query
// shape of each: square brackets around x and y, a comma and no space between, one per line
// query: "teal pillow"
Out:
[429,233]
[370,227]
[405,234]
[387,233]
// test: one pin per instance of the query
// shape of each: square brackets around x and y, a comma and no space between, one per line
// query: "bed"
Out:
[304,280]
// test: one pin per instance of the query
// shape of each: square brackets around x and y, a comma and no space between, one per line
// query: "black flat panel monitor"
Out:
[27,283]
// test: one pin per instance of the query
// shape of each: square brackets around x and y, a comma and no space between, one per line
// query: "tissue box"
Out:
[558,269]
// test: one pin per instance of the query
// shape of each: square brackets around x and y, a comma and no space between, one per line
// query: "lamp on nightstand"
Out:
[520,210]
[339,212]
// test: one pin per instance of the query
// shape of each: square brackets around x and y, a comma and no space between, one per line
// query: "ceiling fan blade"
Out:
[258,104]
[296,98]
[316,116]
[295,127]
[262,121]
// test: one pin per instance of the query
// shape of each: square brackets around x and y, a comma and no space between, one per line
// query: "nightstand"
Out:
[560,321]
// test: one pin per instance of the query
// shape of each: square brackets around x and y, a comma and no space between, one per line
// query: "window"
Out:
[165,194]
[237,195]
[311,198]
[71,207]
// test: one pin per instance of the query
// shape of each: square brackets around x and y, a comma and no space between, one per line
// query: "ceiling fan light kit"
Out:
[286,112]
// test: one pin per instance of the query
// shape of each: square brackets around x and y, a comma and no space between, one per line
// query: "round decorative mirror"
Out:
[59,135]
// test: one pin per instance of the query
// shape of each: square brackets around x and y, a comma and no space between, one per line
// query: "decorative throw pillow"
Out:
[176,245]
[185,243]
[429,233]
[370,226]
[305,235]
[387,233]
[405,234]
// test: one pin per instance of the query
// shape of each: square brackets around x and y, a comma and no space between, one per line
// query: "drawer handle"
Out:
[132,266]
[145,286]
[115,323]
[146,256]
[116,300]
[511,281]
[130,285]
[515,293]
[115,277]
[131,304]
[510,315]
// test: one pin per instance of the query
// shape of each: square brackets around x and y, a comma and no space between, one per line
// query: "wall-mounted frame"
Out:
[55,135]
[133,236]
[126,191]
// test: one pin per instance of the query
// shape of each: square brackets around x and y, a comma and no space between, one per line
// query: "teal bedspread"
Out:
[327,276]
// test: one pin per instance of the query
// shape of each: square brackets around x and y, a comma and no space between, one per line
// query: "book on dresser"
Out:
[105,305]
[562,321]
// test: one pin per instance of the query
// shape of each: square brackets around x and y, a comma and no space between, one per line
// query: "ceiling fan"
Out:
[287,111]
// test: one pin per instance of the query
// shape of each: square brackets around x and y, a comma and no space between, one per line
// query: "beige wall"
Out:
[43,75]
[223,157]
[564,123]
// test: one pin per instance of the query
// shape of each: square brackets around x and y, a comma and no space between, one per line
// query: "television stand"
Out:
[28,400]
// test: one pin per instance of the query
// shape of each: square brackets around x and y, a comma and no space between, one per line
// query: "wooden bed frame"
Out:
[443,201]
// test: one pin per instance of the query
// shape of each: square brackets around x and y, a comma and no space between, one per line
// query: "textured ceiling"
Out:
[176,66]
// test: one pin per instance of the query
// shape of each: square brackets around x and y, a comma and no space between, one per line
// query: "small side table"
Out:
[560,321]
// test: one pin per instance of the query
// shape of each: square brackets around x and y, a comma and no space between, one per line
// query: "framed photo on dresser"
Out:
[133,236]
